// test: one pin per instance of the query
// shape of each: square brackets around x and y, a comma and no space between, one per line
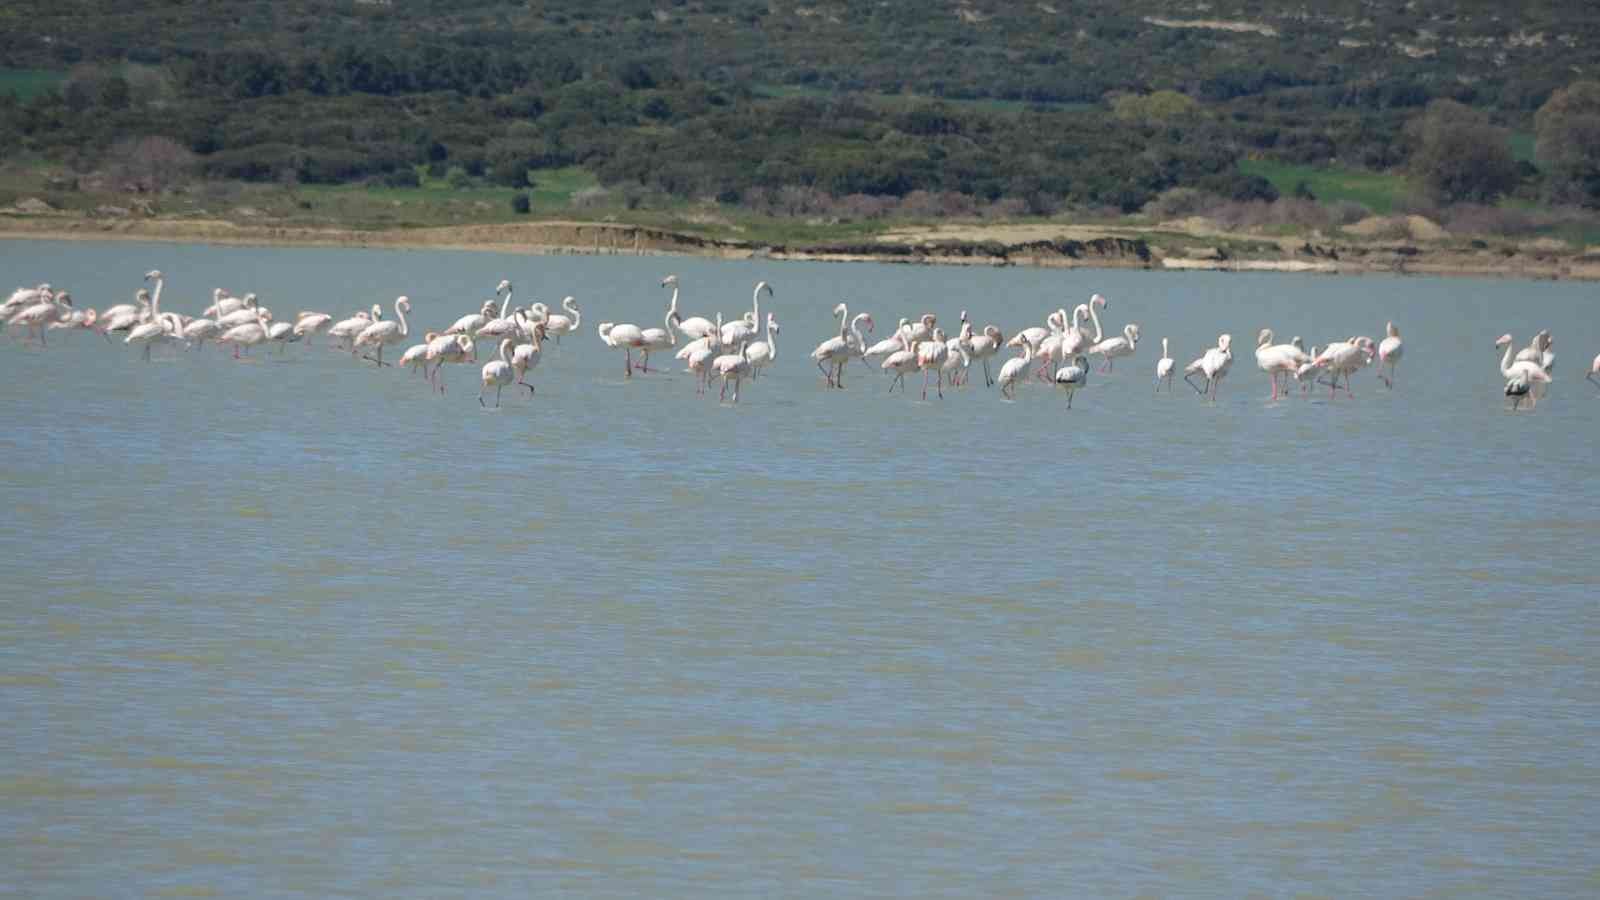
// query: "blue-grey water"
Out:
[297,627]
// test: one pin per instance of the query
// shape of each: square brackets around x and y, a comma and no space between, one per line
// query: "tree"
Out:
[1568,134]
[1460,156]
[520,204]
[150,164]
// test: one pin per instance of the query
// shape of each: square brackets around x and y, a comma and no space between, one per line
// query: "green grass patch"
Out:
[29,83]
[1523,144]
[1376,191]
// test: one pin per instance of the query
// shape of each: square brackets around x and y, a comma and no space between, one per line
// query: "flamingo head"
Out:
[403,302]
[1224,341]
[89,317]
[839,309]
[871,325]
[763,286]
[152,275]
[64,298]
[1099,300]
[994,332]
[502,287]
[669,280]
[141,295]
[1264,337]
[1501,341]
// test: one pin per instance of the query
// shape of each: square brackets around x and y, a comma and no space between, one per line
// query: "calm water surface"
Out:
[296,627]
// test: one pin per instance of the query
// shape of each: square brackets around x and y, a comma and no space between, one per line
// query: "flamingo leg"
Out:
[838,375]
[1590,378]
[1189,375]
[988,380]
[825,373]
[939,383]
[627,362]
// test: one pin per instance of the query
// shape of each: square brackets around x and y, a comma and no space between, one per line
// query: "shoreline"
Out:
[1039,245]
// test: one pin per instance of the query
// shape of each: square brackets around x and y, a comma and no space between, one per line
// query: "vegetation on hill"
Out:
[833,110]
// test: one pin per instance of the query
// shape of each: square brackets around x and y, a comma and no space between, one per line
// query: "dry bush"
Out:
[590,198]
[150,164]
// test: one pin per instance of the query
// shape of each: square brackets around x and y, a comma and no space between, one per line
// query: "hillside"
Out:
[834,111]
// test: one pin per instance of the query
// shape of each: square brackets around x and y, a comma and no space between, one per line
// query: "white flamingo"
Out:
[416,355]
[1113,348]
[739,330]
[469,324]
[1279,361]
[1014,370]
[157,329]
[901,361]
[345,330]
[122,318]
[497,373]
[1390,350]
[931,355]
[984,347]
[382,334]
[655,340]
[447,348]
[36,317]
[888,345]
[1164,368]
[733,369]
[308,324]
[557,324]
[247,335]
[244,315]
[222,303]
[699,355]
[831,354]
[763,352]
[1594,369]
[526,356]
[695,327]
[1520,375]
[1213,366]
[624,335]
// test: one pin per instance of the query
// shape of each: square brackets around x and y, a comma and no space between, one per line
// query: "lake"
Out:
[298,626]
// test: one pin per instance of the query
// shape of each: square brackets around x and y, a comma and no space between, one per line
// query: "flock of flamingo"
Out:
[734,349]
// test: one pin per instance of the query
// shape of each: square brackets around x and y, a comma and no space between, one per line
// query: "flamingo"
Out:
[498,373]
[77,319]
[526,356]
[1114,347]
[1307,371]
[558,324]
[222,303]
[1036,335]
[901,361]
[345,330]
[416,355]
[1520,375]
[744,329]
[1164,368]
[22,298]
[888,345]
[1594,369]
[626,336]
[155,328]
[658,339]
[1389,352]
[1214,366]
[447,348]
[1073,376]
[310,324]
[1278,360]
[244,315]
[922,330]
[983,347]
[733,368]
[124,316]
[1344,358]
[469,325]
[381,334]
[834,351]
[248,334]
[931,355]
[502,324]
[694,327]
[35,317]
[762,353]
[1014,370]
[699,355]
